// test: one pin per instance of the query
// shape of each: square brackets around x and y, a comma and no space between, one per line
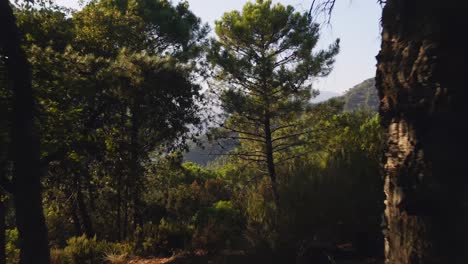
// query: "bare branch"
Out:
[322,6]
[242,155]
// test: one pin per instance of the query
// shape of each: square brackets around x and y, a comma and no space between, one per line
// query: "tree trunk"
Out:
[26,172]
[119,206]
[421,78]
[2,229]
[136,172]
[125,208]
[271,161]
[75,218]
[82,208]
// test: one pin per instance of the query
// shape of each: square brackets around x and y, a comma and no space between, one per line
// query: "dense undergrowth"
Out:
[229,206]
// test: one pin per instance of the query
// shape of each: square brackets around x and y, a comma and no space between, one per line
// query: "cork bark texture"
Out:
[422,83]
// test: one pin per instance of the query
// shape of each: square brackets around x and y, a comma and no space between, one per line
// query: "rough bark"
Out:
[26,171]
[421,75]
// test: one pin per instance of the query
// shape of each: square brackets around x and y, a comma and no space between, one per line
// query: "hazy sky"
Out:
[355,22]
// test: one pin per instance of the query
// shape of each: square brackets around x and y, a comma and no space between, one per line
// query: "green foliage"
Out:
[56,215]
[116,258]
[218,227]
[362,97]
[46,27]
[267,48]
[191,205]
[82,250]
[166,237]
[85,250]
[261,214]
[155,26]
[263,61]
[58,256]
[116,89]
[12,246]
[114,83]
[342,168]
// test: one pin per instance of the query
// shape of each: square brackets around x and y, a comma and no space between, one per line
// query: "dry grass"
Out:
[113,258]
[57,256]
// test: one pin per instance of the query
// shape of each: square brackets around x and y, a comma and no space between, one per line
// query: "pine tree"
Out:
[264,61]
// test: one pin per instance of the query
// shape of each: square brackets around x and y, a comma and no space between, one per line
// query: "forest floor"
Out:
[238,258]
[192,258]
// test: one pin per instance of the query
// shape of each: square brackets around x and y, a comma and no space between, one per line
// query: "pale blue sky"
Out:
[355,22]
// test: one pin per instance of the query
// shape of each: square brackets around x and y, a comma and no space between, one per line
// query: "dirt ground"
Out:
[240,259]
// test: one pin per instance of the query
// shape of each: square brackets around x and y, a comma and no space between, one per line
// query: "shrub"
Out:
[12,246]
[112,258]
[58,256]
[83,250]
[217,227]
[119,249]
[165,238]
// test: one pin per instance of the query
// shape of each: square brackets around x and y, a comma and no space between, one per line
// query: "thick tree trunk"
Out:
[26,173]
[421,78]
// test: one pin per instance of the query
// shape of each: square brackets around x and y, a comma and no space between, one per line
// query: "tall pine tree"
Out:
[265,62]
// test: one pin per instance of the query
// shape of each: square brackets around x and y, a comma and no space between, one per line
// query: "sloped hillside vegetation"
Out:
[362,96]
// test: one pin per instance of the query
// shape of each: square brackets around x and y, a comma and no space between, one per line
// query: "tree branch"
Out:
[283,127]
[298,134]
[241,132]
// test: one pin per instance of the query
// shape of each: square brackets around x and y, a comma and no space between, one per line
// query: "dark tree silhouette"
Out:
[25,153]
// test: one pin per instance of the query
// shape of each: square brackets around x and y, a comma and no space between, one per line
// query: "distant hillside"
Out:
[363,95]
[324,96]
[208,151]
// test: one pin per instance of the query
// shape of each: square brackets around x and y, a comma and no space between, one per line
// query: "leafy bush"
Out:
[55,212]
[12,246]
[112,258]
[217,227]
[261,214]
[165,238]
[119,249]
[83,250]
[58,256]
